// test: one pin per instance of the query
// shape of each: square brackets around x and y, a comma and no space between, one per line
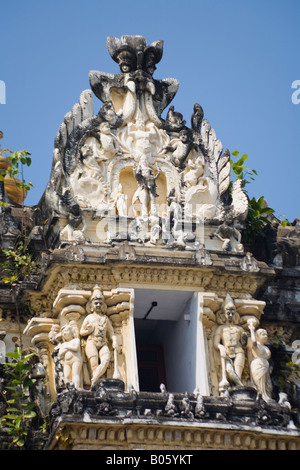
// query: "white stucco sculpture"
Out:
[129,144]
[97,330]
[260,367]
[230,340]
[69,354]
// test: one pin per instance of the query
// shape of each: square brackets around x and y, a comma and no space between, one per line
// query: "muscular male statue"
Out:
[98,329]
[230,339]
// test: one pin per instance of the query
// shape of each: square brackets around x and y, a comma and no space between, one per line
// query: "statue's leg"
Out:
[239,364]
[67,373]
[235,369]
[224,382]
[104,355]
[76,374]
[141,196]
[92,355]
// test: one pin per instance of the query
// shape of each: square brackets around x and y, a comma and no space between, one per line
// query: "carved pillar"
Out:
[129,356]
[69,306]
[38,329]
[120,308]
[207,303]
[213,318]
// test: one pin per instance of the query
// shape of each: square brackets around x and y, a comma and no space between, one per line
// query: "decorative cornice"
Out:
[127,274]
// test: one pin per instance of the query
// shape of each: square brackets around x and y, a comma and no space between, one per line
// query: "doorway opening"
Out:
[165,339]
[151,367]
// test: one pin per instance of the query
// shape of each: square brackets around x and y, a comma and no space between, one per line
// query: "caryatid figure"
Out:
[98,329]
[69,353]
[230,339]
[260,367]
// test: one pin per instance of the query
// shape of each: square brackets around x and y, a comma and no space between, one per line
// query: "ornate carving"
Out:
[260,368]
[89,337]
[230,339]
[125,161]
[98,329]
[69,354]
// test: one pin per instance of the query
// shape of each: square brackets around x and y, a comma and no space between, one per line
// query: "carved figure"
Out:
[121,202]
[260,368]
[139,139]
[201,199]
[229,235]
[55,338]
[98,329]
[75,219]
[126,61]
[69,353]
[109,145]
[170,408]
[181,148]
[174,121]
[108,114]
[194,170]
[239,206]
[155,229]
[175,212]
[87,181]
[146,193]
[91,151]
[135,85]
[10,228]
[197,117]
[230,340]
[185,407]
[200,411]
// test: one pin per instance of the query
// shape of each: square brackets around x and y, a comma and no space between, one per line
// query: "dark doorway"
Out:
[151,367]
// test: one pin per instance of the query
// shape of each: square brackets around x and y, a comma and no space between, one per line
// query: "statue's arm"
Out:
[112,335]
[86,328]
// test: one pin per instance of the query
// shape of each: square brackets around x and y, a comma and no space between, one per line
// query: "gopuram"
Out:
[154,326]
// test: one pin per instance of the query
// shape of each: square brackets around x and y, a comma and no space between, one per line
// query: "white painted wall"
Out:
[184,347]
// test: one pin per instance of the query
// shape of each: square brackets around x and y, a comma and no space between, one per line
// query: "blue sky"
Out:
[237,58]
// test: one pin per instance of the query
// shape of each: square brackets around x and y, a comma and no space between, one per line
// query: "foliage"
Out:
[18,265]
[17,160]
[241,171]
[18,261]
[256,219]
[284,221]
[20,410]
[258,210]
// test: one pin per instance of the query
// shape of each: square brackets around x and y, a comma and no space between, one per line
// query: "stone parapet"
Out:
[106,418]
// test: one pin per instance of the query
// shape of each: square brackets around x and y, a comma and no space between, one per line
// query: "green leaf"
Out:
[29,356]
[11,416]
[31,414]
[11,364]
[16,354]
[17,382]
[20,442]
[29,406]
[243,158]
[261,201]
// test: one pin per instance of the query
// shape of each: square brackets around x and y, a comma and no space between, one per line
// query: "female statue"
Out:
[260,368]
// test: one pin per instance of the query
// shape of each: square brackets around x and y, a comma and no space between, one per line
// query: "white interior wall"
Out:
[173,324]
[179,341]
